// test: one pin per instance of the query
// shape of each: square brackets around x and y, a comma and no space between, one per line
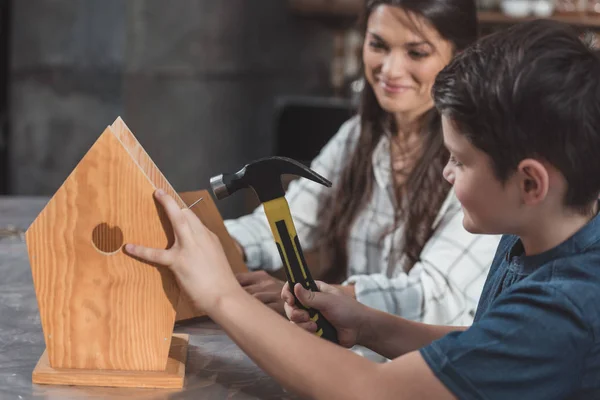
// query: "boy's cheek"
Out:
[469,206]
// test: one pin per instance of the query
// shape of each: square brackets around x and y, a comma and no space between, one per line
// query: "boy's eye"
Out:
[455,162]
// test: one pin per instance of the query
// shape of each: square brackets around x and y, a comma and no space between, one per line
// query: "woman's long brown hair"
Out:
[421,196]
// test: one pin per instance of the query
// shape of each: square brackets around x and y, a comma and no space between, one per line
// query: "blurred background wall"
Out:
[195,80]
[201,83]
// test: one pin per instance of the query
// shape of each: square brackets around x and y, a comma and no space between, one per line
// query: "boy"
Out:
[521,119]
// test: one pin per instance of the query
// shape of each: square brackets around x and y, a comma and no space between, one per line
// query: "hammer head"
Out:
[264,177]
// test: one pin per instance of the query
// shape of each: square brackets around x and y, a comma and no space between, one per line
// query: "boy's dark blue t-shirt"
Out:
[537,328]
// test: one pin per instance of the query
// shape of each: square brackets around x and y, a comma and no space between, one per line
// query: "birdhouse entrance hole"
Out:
[107,239]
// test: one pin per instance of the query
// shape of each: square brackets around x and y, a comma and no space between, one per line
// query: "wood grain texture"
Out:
[215,368]
[207,211]
[142,159]
[171,378]
[99,310]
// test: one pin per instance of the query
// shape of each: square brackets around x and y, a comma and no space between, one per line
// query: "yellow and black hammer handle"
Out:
[296,270]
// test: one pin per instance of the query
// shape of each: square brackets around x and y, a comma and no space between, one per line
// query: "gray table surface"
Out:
[215,369]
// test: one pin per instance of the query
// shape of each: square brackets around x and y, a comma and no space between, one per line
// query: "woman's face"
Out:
[402,55]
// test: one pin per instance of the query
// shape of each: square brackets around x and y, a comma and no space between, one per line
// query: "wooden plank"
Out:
[209,214]
[206,210]
[100,308]
[171,378]
[143,160]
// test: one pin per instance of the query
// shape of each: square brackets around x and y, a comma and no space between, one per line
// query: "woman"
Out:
[391,227]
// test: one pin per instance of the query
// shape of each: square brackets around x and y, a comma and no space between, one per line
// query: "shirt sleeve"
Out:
[445,286]
[529,345]
[252,231]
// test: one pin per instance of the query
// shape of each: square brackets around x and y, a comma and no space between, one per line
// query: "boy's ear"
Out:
[534,181]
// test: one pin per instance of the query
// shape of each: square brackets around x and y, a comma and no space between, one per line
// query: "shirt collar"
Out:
[588,235]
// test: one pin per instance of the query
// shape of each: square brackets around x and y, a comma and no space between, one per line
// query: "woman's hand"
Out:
[342,311]
[196,258]
[264,288]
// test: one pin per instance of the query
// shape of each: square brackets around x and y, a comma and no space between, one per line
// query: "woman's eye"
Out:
[417,54]
[375,44]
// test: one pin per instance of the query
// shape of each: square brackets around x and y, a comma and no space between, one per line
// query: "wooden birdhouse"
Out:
[108,318]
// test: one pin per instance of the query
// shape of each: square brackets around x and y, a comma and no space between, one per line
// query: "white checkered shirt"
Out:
[443,288]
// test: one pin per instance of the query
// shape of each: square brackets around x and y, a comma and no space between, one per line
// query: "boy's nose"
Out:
[448,173]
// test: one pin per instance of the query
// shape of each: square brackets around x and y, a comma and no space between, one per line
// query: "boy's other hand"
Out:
[264,288]
[342,311]
[196,258]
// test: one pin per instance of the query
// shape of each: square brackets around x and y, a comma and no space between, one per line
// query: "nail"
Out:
[196,202]
[160,192]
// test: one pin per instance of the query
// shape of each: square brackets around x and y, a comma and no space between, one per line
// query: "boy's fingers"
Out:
[194,222]
[174,213]
[286,295]
[157,256]
[309,299]
[308,326]
[325,288]
[288,298]
[298,316]
[288,310]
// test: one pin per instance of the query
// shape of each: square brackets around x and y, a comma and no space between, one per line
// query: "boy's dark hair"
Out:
[532,90]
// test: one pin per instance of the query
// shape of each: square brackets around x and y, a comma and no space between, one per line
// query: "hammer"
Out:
[264,177]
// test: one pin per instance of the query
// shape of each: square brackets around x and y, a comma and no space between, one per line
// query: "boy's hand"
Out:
[344,312]
[264,288]
[196,258]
